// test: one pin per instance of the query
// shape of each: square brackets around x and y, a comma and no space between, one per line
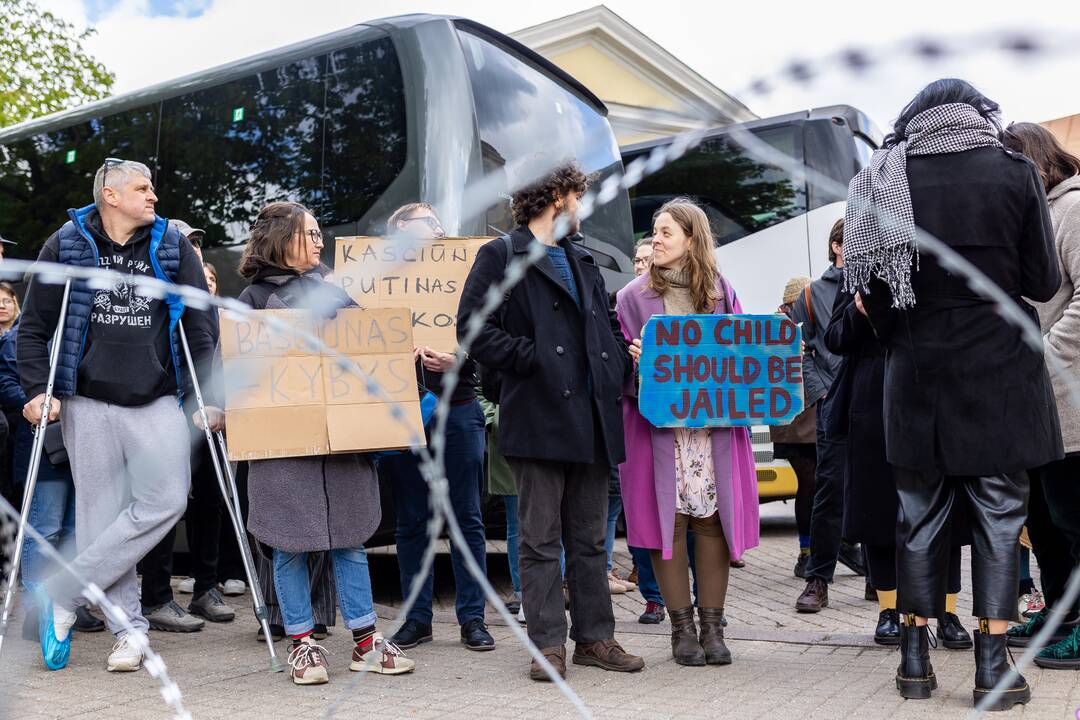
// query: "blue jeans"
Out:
[510,503]
[465,474]
[52,513]
[614,507]
[647,585]
[293,587]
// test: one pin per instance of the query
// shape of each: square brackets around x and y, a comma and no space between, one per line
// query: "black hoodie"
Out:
[127,359]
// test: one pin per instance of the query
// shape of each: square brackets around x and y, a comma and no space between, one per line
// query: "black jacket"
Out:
[870,500]
[818,374]
[546,348]
[963,394]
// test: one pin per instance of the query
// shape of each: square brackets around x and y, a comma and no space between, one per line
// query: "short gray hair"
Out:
[118,175]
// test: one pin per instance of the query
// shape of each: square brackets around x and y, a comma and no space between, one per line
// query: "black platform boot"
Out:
[915,675]
[991,662]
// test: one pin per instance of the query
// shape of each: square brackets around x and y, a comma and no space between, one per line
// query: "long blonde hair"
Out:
[701,268]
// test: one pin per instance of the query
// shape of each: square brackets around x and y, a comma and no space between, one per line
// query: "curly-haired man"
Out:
[562,362]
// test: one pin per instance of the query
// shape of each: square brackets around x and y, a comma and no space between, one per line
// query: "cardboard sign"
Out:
[425,276]
[286,398]
[720,370]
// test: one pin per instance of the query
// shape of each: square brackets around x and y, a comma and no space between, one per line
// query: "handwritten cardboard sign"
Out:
[720,370]
[286,398]
[425,276]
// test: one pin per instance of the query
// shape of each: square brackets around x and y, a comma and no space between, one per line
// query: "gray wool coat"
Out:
[306,504]
[1060,317]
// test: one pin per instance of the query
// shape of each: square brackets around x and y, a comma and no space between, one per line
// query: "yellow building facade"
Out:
[648,91]
[1067,131]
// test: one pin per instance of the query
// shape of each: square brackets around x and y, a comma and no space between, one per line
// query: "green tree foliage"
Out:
[43,65]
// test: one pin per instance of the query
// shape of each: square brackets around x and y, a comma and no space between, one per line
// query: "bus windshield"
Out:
[524,118]
[740,194]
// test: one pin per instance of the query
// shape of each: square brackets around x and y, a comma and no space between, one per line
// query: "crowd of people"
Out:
[930,423]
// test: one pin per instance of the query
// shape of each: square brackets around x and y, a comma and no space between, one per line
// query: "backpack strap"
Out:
[809,305]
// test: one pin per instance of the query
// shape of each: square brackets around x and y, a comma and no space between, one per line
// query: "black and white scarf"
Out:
[879,225]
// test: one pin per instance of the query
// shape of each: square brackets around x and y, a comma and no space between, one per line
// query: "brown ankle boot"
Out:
[607,654]
[712,636]
[554,655]
[685,647]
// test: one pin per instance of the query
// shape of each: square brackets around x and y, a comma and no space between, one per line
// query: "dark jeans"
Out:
[465,474]
[205,518]
[827,519]
[881,567]
[1054,524]
[564,505]
[156,570]
[996,507]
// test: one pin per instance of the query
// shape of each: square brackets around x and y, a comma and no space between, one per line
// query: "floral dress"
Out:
[695,477]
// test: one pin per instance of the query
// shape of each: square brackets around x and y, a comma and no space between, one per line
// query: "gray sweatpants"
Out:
[132,470]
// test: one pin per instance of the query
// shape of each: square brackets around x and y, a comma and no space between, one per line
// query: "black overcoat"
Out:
[963,394]
[870,500]
[546,349]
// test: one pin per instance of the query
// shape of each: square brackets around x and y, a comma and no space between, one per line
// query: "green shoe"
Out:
[1063,655]
[1020,635]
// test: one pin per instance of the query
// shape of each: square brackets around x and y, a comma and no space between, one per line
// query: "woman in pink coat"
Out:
[679,478]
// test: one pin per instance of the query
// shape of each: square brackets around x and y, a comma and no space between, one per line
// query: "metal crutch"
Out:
[233,506]
[35,464]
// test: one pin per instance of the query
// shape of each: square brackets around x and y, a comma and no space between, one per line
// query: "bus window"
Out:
[523,115]
[229,149]
[740,194]
[43,175]
[366,133]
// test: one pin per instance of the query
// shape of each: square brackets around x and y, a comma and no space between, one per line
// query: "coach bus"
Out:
[768,224]
[353,124]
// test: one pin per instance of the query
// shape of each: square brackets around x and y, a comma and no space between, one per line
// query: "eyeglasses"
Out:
[110,163]
[7,302]
[315,236]
[641,261]
[431,222]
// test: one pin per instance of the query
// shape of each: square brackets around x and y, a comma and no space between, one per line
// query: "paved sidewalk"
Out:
[786,665]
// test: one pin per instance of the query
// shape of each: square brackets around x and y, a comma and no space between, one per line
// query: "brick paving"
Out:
[786,665]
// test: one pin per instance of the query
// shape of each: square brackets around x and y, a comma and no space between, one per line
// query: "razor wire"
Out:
[432,460]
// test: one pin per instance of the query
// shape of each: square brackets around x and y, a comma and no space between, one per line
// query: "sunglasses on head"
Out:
[110,163]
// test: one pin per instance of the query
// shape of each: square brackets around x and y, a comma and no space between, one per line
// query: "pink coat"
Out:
[648,475]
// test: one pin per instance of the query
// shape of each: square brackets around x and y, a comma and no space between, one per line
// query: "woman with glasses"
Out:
[279,260]
[9,308]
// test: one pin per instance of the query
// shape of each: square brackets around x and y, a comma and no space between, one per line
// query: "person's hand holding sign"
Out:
[635,350]
[436,361]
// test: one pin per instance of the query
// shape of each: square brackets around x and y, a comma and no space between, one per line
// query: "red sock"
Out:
[364,637]
[297,638]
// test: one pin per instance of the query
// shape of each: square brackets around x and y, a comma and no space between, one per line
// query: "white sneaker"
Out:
[521,615]
[186,586]
[125,657]
[233,587]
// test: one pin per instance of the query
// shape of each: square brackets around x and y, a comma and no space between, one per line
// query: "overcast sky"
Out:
[728,42]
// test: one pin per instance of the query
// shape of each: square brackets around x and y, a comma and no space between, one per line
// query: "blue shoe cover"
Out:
[54,652]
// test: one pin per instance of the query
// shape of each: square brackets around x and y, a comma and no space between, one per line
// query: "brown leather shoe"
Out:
[607,654]
[554,655]
[814,597]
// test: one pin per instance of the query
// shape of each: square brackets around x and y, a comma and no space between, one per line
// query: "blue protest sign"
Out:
[720,370]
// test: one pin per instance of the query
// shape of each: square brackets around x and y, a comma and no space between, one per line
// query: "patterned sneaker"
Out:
[378,655]
[307,663]
[1031,603]
[1063,655]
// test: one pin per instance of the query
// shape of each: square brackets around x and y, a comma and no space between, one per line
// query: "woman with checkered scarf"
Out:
[968,401]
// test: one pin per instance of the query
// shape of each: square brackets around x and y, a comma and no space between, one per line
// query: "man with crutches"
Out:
[118,382]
